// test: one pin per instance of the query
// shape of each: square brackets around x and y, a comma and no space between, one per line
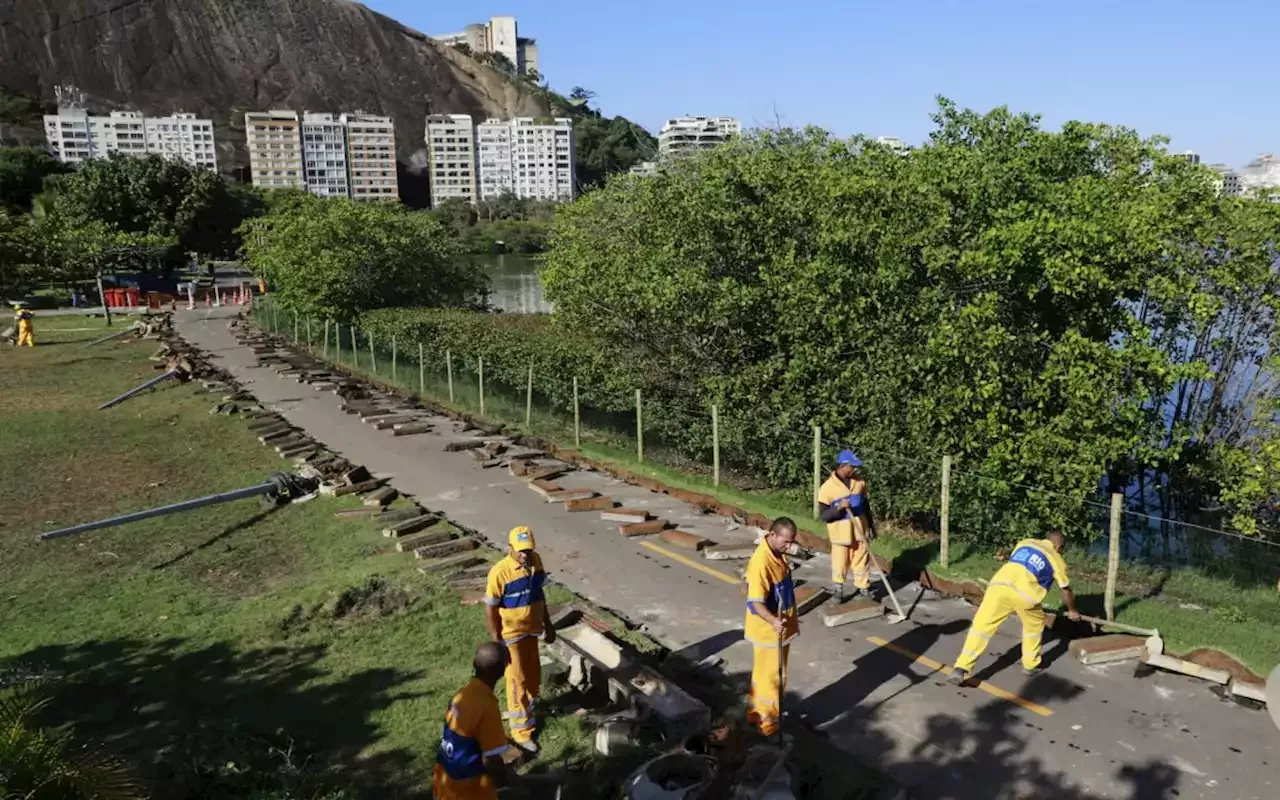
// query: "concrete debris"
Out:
[384,423]
[1219,676]
[355,513]
[411,544]
[452,563]
[355,488]
[565,495]
[465,444]
[627,515]
[446,548]
[545,488]
[729,552]
[853,611]
[810,597]
[418,523]
[382,496]
[589,504]
[643,528]
[1107,649]
[547,473]
[684,539]
[411,428]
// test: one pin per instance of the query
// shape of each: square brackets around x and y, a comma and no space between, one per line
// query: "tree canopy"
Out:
[22,174]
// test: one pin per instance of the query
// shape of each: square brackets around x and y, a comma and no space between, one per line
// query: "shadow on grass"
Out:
[215,721]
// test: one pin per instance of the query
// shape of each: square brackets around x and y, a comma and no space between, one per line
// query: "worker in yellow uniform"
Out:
[1018,588]
[469,762]
[771,623]
[516,615]
[843,505]
[26,329]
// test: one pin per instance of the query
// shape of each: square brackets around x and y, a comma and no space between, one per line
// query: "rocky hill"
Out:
[220,58]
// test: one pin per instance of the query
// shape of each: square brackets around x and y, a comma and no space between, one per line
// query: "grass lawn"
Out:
[228,651]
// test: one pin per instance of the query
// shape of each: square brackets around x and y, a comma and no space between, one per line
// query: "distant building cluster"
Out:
[74,135]
[1257,176]
[498,35]
[682,136]
[531,159]
[346,155]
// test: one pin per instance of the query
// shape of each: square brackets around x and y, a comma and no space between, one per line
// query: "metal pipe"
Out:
[137,389]
[111,336]
[186,505]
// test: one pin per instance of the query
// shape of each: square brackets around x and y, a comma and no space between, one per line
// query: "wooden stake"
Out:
[639,429]
[715,445]
[448,362]
[480,361]
[394,367]
[577,417]
[355,348]
[326,340]
[528,400]
[373,357]
[1113,555]
[422,375]
[308,333]
[944,547]
[817,466]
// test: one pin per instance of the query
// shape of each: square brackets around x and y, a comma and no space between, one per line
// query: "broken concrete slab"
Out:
[519,467]
[547,473]
[853,611]
[684,539]
[418,523]
[382,496]
[729,552]
[274,435]
[565,495]
[644,528]
[411,544]
[384,423]
[356,475]
[465,444]
[394,515]
[446,548]
[411,428]
[1107,649]
[810,597]
[355,513]
[355,488]
[452,563]
[589,504]
[1219,676]
[1257,692]
[545,488]
[628,515]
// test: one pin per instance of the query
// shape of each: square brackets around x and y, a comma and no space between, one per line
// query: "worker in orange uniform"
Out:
[771,623]
[26,328]
[1018,588]
[516,615]
[843,505]
[469,762]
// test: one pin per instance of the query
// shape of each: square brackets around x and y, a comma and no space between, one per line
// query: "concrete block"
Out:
[595,645]
[684,539]
[495,448]
[301,451]
[375,413]
[729,552]
[446,548]
[382,496]
[565,495]
[519,467]
[390,516]
[356,488]
[465,444]
[383,423]
[418,523]
[411,428]
[355,513]
[546,488]
[546,473]
[627,515]
[452,563]
[1256,692]
[410,544]
[810,597]
[564,615]
[356,475]
[1106,649]
[480,454]
[589,504]
[853,611]
[267,435]
[643,528]
[1218,676]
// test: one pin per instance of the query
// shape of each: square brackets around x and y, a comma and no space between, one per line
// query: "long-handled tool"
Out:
[1154,643]
[131,329]
[897,616]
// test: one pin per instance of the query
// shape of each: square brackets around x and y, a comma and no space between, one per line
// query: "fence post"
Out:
[480,362]
[448,362]
[715,446]
[1113,555]
[639,430]
[528,400]
[308,333]
[326,340]
[944,547]
[422,375]
[295,327]
[817,466]
[394,367]
[355,347]
[577,418]
[275,318]
[337,342]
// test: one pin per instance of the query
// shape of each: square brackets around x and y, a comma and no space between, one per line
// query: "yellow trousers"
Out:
[851,558]
[768,681]
[26,334]
[524,679]
[997,604]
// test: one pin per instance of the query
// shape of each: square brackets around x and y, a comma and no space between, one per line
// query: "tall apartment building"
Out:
[371,156]
[324,154]
[75,135]
[275,149]
[685,135]
[498,35]
[493,159]
[895,144]
[542,159]
[451,157]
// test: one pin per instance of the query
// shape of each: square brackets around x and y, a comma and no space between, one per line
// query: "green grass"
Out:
[210,648]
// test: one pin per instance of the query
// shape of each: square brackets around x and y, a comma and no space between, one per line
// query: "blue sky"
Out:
[1204,74]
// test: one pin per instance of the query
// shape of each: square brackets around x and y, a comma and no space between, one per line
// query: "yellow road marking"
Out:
[689,562]
[994,691]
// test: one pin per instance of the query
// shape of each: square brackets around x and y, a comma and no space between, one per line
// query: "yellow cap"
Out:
[520,538]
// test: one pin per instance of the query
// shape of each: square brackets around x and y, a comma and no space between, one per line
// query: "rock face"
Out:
[220,58]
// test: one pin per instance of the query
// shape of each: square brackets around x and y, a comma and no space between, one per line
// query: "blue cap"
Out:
[847,457]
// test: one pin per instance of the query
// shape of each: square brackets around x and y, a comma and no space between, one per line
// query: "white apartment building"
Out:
[371,156]
[75,135]
[542,158]
[895,144]
[451,157]
[685,135]
[324,154]
[498,35]
[275,149]
[493,157]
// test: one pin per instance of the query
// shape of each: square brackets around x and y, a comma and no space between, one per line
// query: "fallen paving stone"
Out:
[467,584]
[1219,676]
[1256,692]
[643,528]
[565,495]
[272,420]
[563,614]
[545,488]
[589,504]
[275,433]
[354,488]
[356,475]
[454,562]
[481,571]
[859,610]
[446,548]
[810,597]
[411,428]
[689,541]
[546,473]
[323,385]
[418,523]
[382,496]
[729,552]
[393,515]
[480,454]
[490,463]
[383,423]
[1107,649]
[300,452]
[465,444]
[495,448]
[629,515]
[411,544]
[519,467]
[355,513]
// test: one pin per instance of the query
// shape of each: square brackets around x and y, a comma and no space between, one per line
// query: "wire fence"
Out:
[1125,555]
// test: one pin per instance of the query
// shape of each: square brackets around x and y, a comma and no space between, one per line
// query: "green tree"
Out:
[22,174]
[605,146]
[335,259]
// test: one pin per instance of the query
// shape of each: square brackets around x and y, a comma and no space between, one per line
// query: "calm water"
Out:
[514,284]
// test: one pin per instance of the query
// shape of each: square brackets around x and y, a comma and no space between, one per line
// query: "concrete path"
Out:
[1073,732]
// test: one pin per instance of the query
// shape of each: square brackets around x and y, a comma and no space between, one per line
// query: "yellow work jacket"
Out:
[769,583]
[1031,569]
[853,526]
[472,732]
[517,594]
